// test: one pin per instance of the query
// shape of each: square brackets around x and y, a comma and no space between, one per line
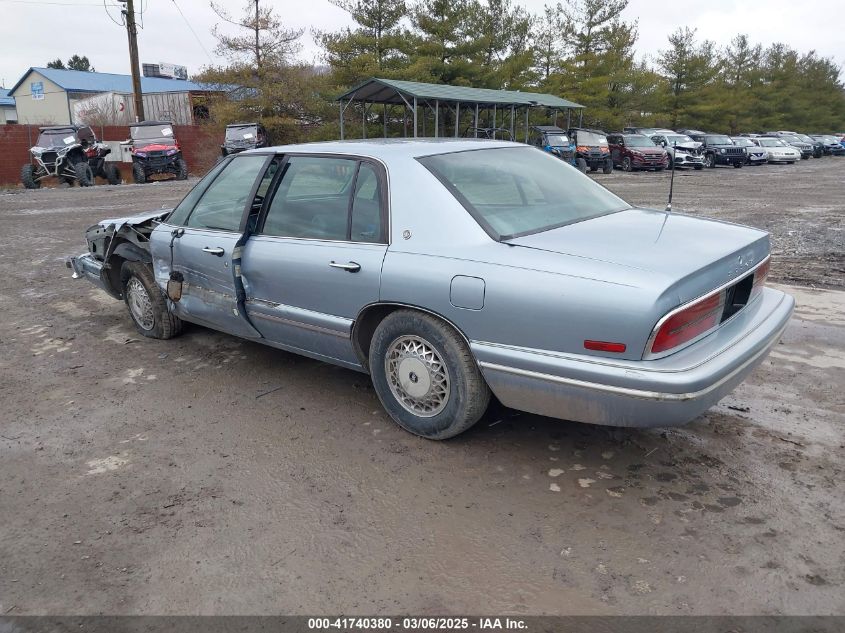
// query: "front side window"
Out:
[519,191]
[326,199]
[222,204]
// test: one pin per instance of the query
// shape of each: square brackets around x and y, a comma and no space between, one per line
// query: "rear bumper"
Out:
[664,392]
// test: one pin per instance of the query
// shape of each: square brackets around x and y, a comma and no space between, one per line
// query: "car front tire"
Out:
[146,302]
[627,165]
[138,174]
[28,177]
[426,376]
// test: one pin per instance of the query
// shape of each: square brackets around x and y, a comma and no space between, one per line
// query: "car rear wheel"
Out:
[425,375]
[28,177]
[84,174]
[146,302]
[581,164]
[626,164]
[138,174]
[709,161]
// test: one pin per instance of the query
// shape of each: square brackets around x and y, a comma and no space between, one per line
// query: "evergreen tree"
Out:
[57,63]
[690,69]
[80,63]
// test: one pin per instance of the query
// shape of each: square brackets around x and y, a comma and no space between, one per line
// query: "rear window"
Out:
[518,191]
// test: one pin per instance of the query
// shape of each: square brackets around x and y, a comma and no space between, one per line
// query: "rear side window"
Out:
[326,198]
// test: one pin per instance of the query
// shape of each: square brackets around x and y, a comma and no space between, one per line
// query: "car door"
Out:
[616,144]
[315,260]
[199,241]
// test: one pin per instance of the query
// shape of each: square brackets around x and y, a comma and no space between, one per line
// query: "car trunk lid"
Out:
[686,256]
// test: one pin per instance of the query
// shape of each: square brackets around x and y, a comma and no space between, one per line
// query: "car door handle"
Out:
[213,251]
[352,267]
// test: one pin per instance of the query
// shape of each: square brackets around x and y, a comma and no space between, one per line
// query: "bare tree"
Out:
[267,41]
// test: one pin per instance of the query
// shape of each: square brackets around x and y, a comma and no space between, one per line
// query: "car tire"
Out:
[790,162]
[698,167]
[581,164]
[452,392]
[737,165]
[710,161]
[112,173]
[28,177]
[84,174]
[146,302]
[626,164]
[138,174]
[608,166]
[804,157]
[182,166]
[659,168]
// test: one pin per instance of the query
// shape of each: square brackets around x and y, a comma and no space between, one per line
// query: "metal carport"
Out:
[457,100]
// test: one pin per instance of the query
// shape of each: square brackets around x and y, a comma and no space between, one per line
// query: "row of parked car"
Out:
[656,149]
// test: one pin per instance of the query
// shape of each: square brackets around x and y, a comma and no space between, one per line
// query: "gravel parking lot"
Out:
[212,475]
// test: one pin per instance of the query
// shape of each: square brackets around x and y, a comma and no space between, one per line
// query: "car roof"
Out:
[548,128]
[145,123]
[242,125]
[52,128]
[390,147]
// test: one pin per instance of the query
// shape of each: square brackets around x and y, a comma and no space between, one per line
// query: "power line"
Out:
[188,24]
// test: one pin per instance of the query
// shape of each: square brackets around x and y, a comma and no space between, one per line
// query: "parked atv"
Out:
[553,140]
[244,136]
[591,145]
[70,153]
[155,151]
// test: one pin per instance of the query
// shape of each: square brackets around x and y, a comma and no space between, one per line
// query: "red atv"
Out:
[155,150]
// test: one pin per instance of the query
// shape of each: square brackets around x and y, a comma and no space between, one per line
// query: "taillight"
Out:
[605,346]
[760,277]
[689,323]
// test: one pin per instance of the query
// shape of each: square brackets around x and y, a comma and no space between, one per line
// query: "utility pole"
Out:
[132,32]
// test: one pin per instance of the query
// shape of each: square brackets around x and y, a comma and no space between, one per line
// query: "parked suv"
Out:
[755,155]
[553,140]
[592,147]
[633,152]
[155,151]
[680,147]
[244,136]
[718,149]
[71,153]
[818,146]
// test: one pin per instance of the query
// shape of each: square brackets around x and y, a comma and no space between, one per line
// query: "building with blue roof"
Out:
[49,96]
[7,107]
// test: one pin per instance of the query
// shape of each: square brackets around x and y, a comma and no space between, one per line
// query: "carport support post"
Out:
[384,119]
[341,119]
[568,118]
[581,117]
[436,118]
[527,108]
[415,117]
[476,120]
[457,117]
[512,130]
[364,120]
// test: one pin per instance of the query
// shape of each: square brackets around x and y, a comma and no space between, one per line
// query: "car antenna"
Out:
[672,178]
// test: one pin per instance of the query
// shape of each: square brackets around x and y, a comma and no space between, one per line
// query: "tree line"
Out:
[582,50]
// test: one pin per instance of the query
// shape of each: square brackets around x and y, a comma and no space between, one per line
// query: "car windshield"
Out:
[56,138]
[718,139]
[638,140]
[147,132]
[805,138]
[771,142]
[790,139]
[245,133]
[557,140]
[590,138]
[742,142]
[680,139]
[519,191]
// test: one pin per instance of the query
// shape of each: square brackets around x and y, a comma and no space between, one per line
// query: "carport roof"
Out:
[391,91]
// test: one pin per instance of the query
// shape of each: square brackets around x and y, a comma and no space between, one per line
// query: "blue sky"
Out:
[32,32]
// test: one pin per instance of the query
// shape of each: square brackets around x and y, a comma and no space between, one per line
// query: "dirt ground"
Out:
[212,475]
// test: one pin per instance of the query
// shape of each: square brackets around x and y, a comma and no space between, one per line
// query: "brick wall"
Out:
[200,147]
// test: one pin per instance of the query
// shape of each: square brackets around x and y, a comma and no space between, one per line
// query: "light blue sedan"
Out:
[450,271]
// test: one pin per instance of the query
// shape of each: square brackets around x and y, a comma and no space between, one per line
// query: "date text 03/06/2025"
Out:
[415,623]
